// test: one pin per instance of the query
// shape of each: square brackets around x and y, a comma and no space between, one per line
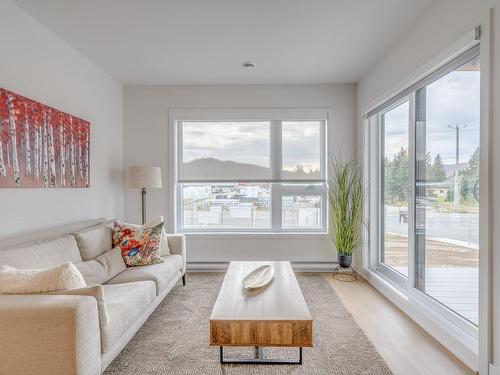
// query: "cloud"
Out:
[451,100]
[248,142]
[237,141]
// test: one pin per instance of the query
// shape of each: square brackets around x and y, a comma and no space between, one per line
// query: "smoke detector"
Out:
[248,64]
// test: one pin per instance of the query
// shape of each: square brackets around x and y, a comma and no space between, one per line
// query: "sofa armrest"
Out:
[177,245]
[49,334]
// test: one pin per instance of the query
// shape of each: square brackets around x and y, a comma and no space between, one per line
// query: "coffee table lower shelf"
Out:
[260,360]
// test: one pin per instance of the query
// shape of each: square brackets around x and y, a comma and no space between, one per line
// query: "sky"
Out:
[243,142]
[452,100]
[248,142]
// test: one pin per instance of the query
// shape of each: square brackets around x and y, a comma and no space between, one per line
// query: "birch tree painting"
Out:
[41,146]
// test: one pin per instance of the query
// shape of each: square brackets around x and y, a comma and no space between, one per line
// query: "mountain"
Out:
[215,169]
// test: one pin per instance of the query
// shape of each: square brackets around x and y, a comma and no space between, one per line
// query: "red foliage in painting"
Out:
[41,146]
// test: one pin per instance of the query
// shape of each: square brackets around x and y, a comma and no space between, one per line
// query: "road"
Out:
[452,226]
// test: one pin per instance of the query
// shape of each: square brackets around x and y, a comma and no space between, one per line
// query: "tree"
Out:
[87,159]
[449,196]
[72,156]
[36,120]
[13,139]
[465,188]
[470,175]
[396,177]
[51,149]
[4,114]
[26,140]
[62,154]
[45,152]
[437,173]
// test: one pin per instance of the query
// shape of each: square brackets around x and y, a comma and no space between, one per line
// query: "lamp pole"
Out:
[143,193]
[143,177]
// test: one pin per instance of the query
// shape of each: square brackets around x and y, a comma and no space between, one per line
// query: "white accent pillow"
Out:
[102,268]
[22,281]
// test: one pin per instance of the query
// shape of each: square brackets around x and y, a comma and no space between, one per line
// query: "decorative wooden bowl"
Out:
[258,277]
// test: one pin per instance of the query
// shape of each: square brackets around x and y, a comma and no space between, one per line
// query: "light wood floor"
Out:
[404,345]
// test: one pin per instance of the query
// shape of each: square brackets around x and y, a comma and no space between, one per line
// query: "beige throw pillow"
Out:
[95,240]
[102,268]
[95,291]
[19,281]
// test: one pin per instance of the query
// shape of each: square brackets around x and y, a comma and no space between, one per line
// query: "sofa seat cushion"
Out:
[125,303]
[46,253]
[162,273]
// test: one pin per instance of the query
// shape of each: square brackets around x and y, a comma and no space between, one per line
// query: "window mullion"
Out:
[178,174]
[276,167]
[323,134]
[180,147]
[411,192]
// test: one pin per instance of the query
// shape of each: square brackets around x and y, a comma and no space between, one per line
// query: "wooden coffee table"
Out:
[275,315]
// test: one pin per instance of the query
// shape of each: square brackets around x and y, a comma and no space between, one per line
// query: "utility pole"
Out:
[456,189]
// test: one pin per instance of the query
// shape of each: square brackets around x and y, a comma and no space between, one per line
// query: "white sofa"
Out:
[61,334]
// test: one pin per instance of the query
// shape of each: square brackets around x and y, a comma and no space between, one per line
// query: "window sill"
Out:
[256,235]
[453,337]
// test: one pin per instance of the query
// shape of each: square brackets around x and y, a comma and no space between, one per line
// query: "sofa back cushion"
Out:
[41,254]
[102,268]
[95,240]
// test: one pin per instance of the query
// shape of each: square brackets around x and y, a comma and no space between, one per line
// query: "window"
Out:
[425,204]
[301,154]
[250,171]
[447,189]
[395,181]
[302,211]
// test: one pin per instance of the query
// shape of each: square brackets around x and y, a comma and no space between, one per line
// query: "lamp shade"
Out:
[144,177]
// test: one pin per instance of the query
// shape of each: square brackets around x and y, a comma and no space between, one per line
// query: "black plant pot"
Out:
[345,261]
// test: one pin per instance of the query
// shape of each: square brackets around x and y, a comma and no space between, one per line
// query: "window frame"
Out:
[374,146]
[279,187]
[400,279]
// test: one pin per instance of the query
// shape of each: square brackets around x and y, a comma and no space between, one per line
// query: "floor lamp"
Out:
[143,177]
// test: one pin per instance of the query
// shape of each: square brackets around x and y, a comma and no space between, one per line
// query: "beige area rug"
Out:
[175,338]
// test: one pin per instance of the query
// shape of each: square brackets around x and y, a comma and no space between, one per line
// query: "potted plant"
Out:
[346,196]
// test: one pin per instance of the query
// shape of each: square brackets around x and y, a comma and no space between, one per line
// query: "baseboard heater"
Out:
[297,266]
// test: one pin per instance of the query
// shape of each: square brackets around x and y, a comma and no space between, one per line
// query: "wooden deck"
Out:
[457,288]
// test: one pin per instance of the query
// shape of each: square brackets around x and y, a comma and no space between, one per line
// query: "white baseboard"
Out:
[207,266]
[297,266]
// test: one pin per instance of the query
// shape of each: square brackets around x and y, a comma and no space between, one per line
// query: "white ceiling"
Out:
[153,42]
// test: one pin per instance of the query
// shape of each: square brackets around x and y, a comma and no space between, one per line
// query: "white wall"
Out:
[438,29]
[146,142]
[37,64]
[444,24]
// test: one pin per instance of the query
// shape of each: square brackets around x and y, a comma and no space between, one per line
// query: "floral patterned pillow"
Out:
[140,246]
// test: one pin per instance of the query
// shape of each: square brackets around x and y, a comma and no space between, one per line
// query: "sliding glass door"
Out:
[395,185]
[424,201]
[447,189]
